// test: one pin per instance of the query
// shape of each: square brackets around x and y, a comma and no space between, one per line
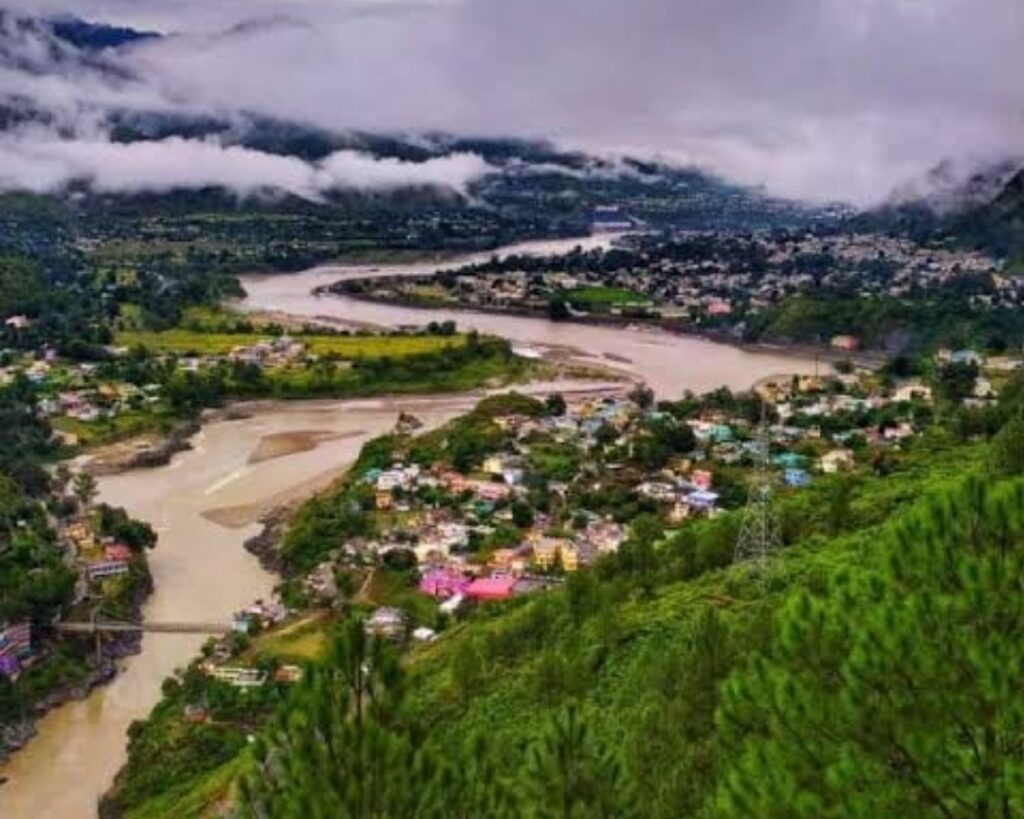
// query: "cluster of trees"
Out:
[347,745]
[923,321]
[466,366]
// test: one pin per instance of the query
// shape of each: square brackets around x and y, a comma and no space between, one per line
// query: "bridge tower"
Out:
[760,533]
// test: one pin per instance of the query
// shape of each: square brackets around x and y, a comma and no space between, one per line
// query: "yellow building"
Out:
[570,558]
[549,549]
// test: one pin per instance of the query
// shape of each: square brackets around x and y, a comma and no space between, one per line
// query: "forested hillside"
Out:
[869,675]
[866,670]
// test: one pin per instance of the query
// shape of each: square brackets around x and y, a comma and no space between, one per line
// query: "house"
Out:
[1004,363]
[10,666]
[720,433]
[796,477]
[983,388]
[322,581]
[789,460]
[238,676]
[443,583]
[900,432]
[846,343]
[578,555]
[605,535]
[391,479]
[494,464]
[546,550]
[912,391]
[491,492]
[240,624]
[16,640]
[288,674]
[513,475]
[38,372]
[80,533]
[570,557]
[104,569]
[386,622]
[663,492]
[384,500]
[508,561]
[496,587]
[18,322]
[702,501]
[701,479]
[837,460]
[117,552]
[966,357]
[194,714]
[454,535]
[456,482]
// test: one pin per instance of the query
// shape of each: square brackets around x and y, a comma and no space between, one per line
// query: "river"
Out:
[239,468]
[668,362]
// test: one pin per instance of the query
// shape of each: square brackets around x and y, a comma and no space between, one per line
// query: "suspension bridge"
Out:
[124,627]
[99,627]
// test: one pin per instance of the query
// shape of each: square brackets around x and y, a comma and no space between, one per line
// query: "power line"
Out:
[760,533]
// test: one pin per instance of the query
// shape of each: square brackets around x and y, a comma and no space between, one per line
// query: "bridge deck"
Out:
[162,628]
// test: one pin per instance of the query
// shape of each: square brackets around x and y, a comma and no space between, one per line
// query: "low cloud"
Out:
[817,99]
[42,163]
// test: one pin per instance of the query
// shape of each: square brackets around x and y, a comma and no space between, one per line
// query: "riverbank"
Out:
[164,728]
[826,354]
[201,569]
[100,670]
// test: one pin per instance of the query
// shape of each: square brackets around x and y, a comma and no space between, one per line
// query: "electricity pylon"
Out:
[760,534]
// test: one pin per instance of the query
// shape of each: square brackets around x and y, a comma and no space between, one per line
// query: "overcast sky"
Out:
[819,99]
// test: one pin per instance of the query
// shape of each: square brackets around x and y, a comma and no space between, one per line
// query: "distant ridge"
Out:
[96,36]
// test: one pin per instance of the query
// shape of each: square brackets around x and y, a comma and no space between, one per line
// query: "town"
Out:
[520,494]
[735,284]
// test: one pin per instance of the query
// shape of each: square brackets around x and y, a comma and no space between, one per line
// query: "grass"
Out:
[391,588]
[184,342]
[109,430]
[606,296]
[193,799]
[302,641]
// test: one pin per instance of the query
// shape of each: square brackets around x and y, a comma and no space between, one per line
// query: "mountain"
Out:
[534,187]
[999,223]
[983,208]
[41,47]
[96,36]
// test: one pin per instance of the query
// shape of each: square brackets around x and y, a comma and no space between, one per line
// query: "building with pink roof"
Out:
[443,583]
[117,551]
[498,587]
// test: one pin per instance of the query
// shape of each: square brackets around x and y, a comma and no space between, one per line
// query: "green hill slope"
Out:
[651,652]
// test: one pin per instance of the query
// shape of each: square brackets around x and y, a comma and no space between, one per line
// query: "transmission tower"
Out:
[760,534]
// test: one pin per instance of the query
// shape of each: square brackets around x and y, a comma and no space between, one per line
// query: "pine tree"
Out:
[345,748]
[85,489]
[897,694]
[568,776]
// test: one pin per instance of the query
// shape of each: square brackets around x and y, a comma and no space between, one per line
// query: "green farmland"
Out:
[191,342]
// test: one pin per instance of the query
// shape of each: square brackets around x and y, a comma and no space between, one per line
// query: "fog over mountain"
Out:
[815,99]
